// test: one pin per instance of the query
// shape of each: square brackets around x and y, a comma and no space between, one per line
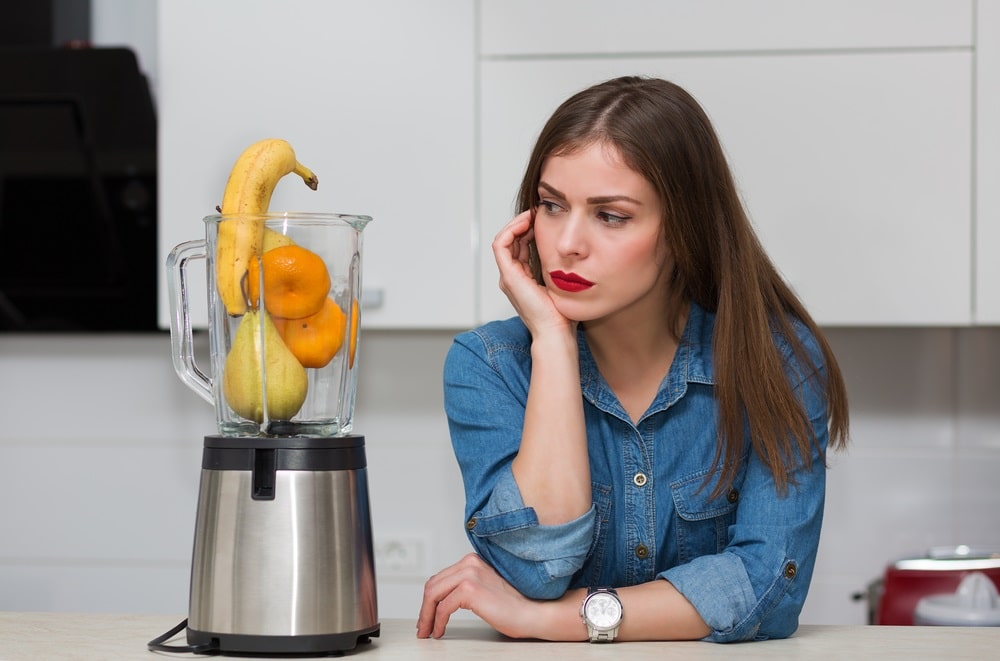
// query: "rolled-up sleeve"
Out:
[538,560]
[485,408]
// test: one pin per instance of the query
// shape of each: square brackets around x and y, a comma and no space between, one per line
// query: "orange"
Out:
[354,334]
[296,282]
[316,339]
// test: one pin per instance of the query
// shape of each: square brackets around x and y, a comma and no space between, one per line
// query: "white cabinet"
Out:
[375,96]
[526,28]
[987,216]
[860,132]
[848,126]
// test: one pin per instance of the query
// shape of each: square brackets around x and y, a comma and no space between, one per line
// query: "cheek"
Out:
[648,255]
[543,239]
[646,263]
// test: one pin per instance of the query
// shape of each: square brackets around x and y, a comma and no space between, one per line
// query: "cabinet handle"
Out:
[372,299]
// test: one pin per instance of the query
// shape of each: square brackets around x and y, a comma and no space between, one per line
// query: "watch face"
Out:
[603,611]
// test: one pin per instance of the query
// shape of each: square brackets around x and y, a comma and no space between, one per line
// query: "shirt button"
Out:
[641,551]
[733,495]
[470,524]
[790,570]
[640,479]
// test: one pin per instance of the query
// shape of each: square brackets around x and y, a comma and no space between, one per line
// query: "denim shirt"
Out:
[743,559]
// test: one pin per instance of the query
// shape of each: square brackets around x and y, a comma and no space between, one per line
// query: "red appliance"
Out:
[893,598]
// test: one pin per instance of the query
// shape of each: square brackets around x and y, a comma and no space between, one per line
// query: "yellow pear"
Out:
[275,239]
[257,342]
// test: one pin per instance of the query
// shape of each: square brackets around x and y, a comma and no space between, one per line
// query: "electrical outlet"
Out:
[402,556]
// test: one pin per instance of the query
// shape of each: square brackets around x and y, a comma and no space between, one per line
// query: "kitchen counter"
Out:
[56,636]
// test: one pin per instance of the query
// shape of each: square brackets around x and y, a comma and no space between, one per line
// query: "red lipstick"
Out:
[570,281]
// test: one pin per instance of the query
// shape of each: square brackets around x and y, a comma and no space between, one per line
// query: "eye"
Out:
[612,218]
[548,206]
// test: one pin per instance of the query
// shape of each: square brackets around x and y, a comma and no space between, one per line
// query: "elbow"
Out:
[770,628]
[544,590]
[535,582]
[539,579]
[538,561]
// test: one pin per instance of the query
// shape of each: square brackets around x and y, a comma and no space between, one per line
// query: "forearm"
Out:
[552,467]
[651,611]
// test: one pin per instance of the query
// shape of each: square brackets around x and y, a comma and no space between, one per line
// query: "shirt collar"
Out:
[694,353]
[692,364]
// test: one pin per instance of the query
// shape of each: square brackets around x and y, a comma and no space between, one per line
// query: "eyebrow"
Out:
[602,199]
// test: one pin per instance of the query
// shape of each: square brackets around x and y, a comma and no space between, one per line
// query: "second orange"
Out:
[316,339]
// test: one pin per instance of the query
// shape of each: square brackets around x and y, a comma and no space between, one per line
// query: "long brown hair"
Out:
[662,133]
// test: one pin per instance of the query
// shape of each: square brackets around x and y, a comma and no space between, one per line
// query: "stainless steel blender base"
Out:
[283,558]
[317,644]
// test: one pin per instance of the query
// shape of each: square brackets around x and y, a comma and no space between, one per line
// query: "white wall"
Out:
[923,464]
[100,453]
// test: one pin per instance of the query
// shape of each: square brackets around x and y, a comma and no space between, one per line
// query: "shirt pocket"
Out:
[590,573]
[702,522]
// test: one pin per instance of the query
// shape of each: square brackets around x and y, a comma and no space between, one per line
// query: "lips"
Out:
[570,281]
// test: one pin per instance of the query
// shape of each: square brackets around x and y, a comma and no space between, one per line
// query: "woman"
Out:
[650,431]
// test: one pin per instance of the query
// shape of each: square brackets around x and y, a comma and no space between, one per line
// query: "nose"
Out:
[572,237]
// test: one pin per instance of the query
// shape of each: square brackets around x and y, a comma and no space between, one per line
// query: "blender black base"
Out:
[311,645]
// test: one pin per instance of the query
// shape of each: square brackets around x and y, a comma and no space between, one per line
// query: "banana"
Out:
[248,192]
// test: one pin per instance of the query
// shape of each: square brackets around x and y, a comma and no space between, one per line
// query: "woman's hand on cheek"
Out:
[510,249]
[531,300]
[471,584]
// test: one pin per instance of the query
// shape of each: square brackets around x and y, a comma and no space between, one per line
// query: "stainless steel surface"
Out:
[952,558]
[301,564]
[959,564]
[962,551]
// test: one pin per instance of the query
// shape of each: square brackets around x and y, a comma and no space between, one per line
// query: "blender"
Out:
[283,558]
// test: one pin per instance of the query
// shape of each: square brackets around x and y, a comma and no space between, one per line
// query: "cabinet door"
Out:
[573,27]
[375,97]
[854,166]
[988,163]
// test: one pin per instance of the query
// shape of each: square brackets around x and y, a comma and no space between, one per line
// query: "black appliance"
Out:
[78,216]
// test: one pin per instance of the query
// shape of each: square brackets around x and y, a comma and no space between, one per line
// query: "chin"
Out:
[577,311]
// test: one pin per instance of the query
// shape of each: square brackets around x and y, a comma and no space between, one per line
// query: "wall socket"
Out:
[402,556]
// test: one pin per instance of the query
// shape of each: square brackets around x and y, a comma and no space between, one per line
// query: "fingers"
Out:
[427,619]
[433,619]
[443,595]
[520,223]
[512,254]
[511,238]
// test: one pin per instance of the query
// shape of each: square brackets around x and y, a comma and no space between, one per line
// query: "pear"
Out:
[274,239]
[286,380]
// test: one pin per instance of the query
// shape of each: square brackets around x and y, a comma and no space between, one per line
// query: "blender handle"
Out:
[181,342]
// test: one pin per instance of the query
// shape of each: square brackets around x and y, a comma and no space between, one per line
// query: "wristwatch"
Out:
[602,613]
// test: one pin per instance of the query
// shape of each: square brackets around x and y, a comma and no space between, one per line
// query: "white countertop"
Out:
[57,636]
